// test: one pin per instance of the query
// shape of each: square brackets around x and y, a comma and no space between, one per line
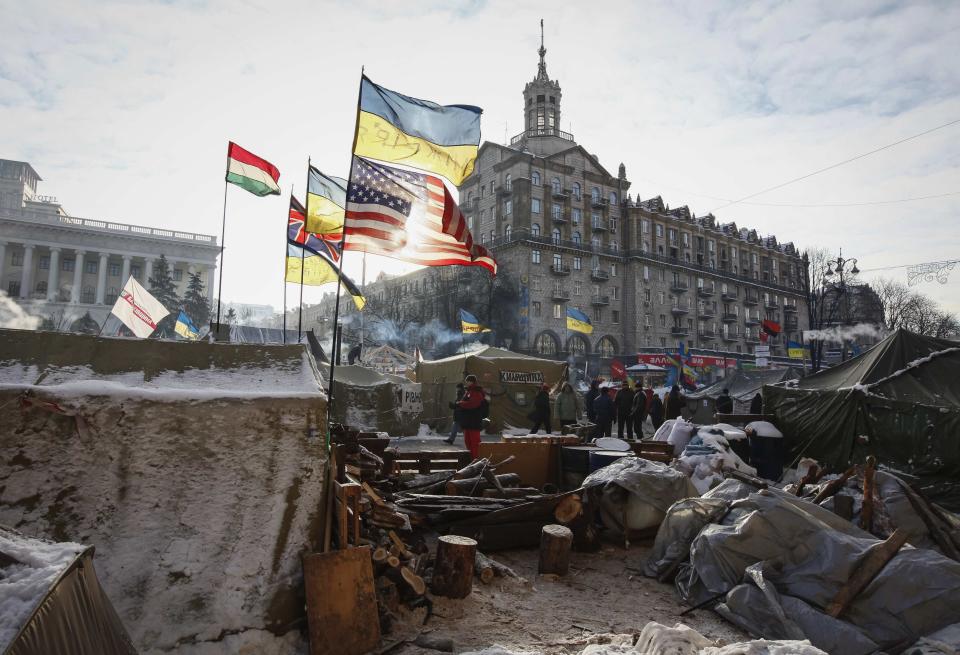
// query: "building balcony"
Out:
[750,299]
[563,269]
[599,225]
[558,218]
[561,194]
[599,301]
[598,203]
[707,334]
[706,291]
[560,295]
[707,312]
[599,275]
[771,305]
[679,286]
[678,310]
[791,324]
[729,318]
[679,331]
[790,309]
[541,131]
[751,320]
[729,337]
[505,191]
[752,339]
[728,297]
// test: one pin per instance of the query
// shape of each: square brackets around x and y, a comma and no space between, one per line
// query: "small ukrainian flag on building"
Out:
[578,321]
[470,324]
[185,327]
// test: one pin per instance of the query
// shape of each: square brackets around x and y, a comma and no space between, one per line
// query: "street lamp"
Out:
[840,266]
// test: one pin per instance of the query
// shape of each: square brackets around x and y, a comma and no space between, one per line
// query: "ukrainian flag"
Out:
[421,134]
[796,350]
[470,324]
[326,198]
[578,321]
[318,270]
[185,327]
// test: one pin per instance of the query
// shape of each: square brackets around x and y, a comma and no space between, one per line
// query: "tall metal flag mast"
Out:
[223,233]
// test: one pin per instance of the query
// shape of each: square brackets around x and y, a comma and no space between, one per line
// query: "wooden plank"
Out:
[867,570]
[535,463]
[342,612]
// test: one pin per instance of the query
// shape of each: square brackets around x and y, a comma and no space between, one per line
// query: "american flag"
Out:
[409,216]
[298,235]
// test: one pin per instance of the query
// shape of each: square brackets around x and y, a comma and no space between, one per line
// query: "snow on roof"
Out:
[28,569]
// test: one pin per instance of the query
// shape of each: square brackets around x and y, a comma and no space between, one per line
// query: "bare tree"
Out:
[906,308]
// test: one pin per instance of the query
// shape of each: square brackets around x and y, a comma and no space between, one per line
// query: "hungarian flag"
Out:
[246,170]
[771,327]
[138,310]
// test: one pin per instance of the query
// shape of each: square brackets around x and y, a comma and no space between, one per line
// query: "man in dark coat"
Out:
[472,414]
[457,413]
[674,403]
[656,412]
[724,403]
[588,399]
[603,410]
[624,405]
[353,357]
[638,412]
[541,410]
[756,405]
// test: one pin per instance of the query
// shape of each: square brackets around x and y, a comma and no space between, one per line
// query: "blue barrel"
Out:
[576,459]
[601,458]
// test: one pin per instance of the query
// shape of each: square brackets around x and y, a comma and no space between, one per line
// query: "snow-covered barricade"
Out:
[195,469]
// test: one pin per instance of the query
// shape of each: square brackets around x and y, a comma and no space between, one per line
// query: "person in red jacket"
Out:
[473,408]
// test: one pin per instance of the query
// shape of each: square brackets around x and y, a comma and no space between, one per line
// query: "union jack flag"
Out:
[317,243]
[410,216]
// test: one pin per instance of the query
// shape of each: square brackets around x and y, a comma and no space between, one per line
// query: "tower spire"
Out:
[542,69]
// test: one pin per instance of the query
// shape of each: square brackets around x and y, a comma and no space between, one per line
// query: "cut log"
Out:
[512,492]
[414,581]
[811,475]
[473,486]
[472,470]
[866,511]
[379,557]
[398,542]
[833,486]
[387,594]
[568,509]
[453,570]
[867,570]
[555,542]
[433,642]
[482,569]
[494,480]
[393,561]
[499,570]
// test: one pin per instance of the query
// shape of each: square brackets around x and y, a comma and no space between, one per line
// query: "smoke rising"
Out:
[13,315]
[842,333]
[385,331]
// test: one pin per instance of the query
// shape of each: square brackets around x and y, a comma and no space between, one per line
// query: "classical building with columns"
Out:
[60,266]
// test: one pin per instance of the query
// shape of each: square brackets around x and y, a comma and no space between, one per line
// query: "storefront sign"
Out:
[411,400]
[521,377]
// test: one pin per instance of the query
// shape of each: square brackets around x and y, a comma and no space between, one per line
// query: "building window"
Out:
[177,274]
[613,198]
[535,205]
[113,292]
[659,231]
[595,242]
[16,260]
[577,288]
[662,297]
[646,320]
[595,220]
[576,237]
[555,183]
[557,310]
[483,238]
[535,178]
[44,263]
[42,287]
[508,182]
[557,261]
[483,189]
[615,293]
[556,235]
[535,256]
[135,271]
[535,229]
[557,211]
[613,270]
[483,216]
[507,231]
[613,224]
[614,246]
[595,194]
[536,309]
[663,320]
[114,270]
[576,190]
[576,215]
[546,344]
[597,314]
[645,226]
[68,265]
[615,316]
[13,288]
[493,235]
[91,267]
[577,263]
[507,207]
[646,272]
[87,296]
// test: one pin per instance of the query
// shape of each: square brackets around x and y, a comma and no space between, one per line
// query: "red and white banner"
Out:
[694,361]
[617,370]
[138,310]
[656,359]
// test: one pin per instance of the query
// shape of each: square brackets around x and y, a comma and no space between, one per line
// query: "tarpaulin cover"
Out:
[781,543]
[367,399]
[903,396]
[743,386]
[510,401]
[652,482]
[75,616]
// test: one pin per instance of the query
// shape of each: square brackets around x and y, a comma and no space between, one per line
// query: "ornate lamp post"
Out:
[840,267]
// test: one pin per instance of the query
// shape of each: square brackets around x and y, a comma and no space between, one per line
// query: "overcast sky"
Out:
[125,108]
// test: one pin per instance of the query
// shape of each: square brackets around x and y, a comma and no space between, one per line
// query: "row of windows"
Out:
[546,344]
[90,267]
[556,186]
[87,295]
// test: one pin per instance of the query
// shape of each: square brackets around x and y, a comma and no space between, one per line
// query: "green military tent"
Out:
[743,385]
[902,397]
[510,379]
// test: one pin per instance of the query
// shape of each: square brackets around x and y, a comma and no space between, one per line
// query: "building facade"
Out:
[571,234]
[61,267]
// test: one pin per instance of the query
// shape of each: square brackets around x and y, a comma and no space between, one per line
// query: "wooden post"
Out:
[568,509]
[453,570]
[555,542]
[341,602]
[867,570]
[866,512]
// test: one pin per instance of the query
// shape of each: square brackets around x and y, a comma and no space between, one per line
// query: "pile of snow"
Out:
[24,582]
[707,456]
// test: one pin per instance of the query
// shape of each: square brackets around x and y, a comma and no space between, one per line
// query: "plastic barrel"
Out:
[766,455]
[576,459]
[601,458]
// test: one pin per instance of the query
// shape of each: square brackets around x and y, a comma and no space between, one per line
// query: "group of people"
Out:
[629,408]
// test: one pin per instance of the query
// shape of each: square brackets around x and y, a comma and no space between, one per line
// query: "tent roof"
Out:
[745,383]
[490,352]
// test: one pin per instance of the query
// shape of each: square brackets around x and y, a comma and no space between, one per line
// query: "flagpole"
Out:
[343,256]
[223,234]
[363,286]
[286,251]
[303,249]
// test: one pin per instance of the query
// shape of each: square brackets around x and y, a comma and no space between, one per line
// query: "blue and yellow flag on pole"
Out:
[185,327]
[796,350]
[421,134]
[326,198]
[578,321]
[470,324]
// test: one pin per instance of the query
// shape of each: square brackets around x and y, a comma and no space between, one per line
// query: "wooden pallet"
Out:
[563,440]
[432,461]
